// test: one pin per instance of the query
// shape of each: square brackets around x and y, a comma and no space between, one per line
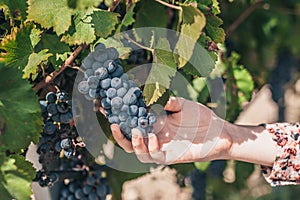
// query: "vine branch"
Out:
[68,62]
[242,17]
[138,44]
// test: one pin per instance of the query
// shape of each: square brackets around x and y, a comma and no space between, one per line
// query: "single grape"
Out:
[102,93]
[105,103]
[66,118]
[87,62]
[115,111]
[118,72]
[102,73]
[92,93]
[133,110]
[96,65]
[123,116]
[142,112]
[125,128]
[69,152]
[143,122]
[125,77]
[88,73]
[116,83]
[93,196]
[93,81]
[65,143]
[72,187]
[49,128]
[62,96]
[90,180]
[99,47]
[65,192]
[52,109]
[83,87]
[100,55]
[71,197]
[56,118]
[57,147]
[87,189]
[105,83]
[79,193]
[117,102]
[111,93]
[101,191]
[124,108]
[113,119]
[51,97]
[112,67]
[112,53]
[53,177]
[151,118]
[129,98]
[62,107]
[132,121]
[121,92]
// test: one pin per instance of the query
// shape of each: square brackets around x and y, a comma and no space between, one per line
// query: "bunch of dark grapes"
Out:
[122,100]
[93,187]
[59,135]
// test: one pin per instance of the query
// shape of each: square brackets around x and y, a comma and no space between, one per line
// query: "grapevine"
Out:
[45,45]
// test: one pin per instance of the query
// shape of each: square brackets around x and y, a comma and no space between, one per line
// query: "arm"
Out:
[182,137]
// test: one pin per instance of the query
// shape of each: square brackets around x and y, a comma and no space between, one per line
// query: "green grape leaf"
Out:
[15,9]
[201,63]
[33,62]
[157,17]
[129,17]
[214,30]
[162,70]
[17,47]
[81,30]
[20,113]
[55,13]
[104,22]
[16,176]
[193,22]
[215,7]
[55,46]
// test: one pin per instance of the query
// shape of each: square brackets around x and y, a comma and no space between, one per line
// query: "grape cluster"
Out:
[59,136]
[93,187]
[122,100]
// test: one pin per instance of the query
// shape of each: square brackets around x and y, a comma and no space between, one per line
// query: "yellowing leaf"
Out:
[161,73]
[54,13]
[104,22]
[193,22]
[33,62]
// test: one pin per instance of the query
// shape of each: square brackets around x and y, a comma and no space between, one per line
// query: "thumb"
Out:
[174,104]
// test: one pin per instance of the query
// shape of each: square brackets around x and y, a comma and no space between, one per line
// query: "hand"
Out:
[191,132]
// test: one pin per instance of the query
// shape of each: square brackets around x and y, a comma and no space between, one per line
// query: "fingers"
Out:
[121,139]
[156,154]
[140,147]
[174,104]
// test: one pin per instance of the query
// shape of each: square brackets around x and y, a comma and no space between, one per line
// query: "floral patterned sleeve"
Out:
[286,168]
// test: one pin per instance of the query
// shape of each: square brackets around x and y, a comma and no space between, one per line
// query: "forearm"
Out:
[252,144]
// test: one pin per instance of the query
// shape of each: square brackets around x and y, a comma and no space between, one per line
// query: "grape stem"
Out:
[115,4]
[68,62]
[138,44]
[169,5]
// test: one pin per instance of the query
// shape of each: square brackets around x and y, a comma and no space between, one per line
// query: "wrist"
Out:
[252,144]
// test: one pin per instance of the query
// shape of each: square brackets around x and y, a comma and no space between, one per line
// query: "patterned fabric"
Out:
[286,168]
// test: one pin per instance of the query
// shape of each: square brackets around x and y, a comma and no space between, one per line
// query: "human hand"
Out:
[189,132]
